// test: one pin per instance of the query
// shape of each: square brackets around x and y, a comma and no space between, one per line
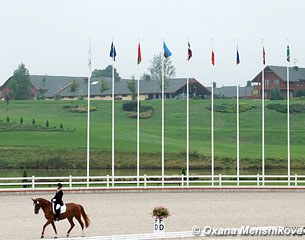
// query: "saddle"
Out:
[62,208]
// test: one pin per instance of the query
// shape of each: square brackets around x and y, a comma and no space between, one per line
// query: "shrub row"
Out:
[232,107]
[143,115]
[295,108]
[77,109]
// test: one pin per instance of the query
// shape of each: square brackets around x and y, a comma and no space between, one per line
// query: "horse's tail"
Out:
[85,216]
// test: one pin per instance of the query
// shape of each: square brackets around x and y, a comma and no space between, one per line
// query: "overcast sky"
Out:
[51,36]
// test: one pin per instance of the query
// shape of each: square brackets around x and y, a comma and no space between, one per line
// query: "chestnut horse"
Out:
[73,210]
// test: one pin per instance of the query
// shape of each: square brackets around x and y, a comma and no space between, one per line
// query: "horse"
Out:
[73,210]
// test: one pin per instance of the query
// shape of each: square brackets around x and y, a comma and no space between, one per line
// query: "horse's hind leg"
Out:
[79,219]
[72,225]
[53,225]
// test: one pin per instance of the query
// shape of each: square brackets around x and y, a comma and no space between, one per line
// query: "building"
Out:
[231,92]
[276,78]
[52,87]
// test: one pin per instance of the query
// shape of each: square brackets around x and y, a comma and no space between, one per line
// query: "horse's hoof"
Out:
[42,236]
[55,237]
[67,235]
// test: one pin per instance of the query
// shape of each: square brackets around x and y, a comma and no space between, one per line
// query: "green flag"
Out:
[288,54]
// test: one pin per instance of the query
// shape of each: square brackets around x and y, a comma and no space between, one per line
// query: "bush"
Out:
[78,109]
[232,107]
[47,123]
[146,108]
[21,120]
[61,126]
[130,106]
[143,115]
[295,108]
[7,119]
[275,94]
[33,121]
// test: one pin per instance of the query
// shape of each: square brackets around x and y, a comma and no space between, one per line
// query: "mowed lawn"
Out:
[150,133]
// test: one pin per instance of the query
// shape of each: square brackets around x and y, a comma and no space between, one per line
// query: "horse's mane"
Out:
[42,200]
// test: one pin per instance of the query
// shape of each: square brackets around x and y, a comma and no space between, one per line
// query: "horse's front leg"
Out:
[44,227]
[54,227]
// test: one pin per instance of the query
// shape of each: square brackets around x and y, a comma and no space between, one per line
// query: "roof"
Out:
[231,91]
[295,73]
[61,85]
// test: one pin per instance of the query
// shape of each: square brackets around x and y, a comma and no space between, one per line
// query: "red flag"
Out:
[213,58]
[264,56]
[139,54]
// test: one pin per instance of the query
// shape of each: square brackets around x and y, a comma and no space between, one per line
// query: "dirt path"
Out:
[127,213]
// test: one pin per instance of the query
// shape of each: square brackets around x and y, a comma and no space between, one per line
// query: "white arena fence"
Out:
[146,182]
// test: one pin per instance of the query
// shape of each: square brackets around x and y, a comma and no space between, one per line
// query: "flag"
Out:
[112,51]
[288,54]
[167,52]
[264,56]
[139,54]
[189,52]
[237,57]
[213,58]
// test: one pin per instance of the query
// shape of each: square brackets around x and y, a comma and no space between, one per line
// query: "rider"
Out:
[57,200]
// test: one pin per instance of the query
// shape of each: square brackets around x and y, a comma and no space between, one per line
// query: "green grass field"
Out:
[67,149]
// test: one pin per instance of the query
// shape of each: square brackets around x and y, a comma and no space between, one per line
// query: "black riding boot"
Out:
[57,213]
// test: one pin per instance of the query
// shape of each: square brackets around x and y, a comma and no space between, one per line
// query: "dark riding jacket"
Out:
[58,197]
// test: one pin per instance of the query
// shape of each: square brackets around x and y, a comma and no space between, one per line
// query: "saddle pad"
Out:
[63,208]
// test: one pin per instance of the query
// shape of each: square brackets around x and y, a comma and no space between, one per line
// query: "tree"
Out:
[214,84]
[275,94]
[20,83]
[107,73]
[42,89]
[74,86]
[131,85]
[104,86]
[155,69]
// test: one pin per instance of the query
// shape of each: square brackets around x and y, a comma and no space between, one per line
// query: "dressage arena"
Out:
[118,213]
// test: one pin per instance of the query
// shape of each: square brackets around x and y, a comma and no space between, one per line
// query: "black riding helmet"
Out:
[59,185]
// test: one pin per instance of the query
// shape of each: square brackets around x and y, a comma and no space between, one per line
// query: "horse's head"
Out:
[37,205]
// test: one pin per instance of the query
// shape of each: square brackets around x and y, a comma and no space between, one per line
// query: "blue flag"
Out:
[237,57]
[167,52]
[112,51]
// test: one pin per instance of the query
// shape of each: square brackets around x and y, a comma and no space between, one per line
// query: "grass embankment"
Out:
[67,149]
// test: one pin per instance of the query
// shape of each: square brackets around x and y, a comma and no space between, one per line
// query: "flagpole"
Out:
[138,126]
[212,122]
[237,137]
[162,120]
[88,114]
[263,116]
[112,132]
[237,123]
[187,132]
[288,114]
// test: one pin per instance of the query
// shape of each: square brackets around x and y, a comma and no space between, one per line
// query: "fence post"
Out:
[296,180]
[33,182]
[182,180]
[219,180]
[70,182]
[144,180]
[107,181]
[257,180]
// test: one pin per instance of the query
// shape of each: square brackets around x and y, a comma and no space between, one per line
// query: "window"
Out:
[276,82]
[267,82]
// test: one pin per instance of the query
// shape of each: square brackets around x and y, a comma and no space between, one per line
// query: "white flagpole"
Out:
[237,128]
[138,131]
[187,132]
[288,120]
[212,126]
[263,117]
[162,121]
[88,114]
[237,137]
[112,132]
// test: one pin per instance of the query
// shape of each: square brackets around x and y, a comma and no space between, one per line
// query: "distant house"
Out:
[276,78]
[231,92]
[60,87]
